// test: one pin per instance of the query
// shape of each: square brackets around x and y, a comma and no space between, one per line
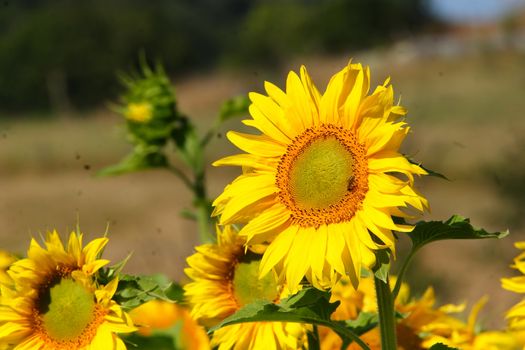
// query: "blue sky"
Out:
[473,10]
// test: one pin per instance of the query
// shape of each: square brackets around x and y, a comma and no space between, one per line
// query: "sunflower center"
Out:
[321,174]
[247,287]
[70,309]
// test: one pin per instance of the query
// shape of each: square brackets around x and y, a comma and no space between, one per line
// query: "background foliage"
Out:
[64,54]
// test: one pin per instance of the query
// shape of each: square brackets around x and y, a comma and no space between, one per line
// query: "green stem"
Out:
[211,132]
[401,274]
[203,220]
[185,180]
[313,339]
[200,202]
[202,205]
[387,320]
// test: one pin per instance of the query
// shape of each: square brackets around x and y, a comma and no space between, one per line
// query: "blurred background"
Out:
[458,67]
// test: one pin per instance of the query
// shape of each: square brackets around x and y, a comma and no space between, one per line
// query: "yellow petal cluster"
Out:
[139,112]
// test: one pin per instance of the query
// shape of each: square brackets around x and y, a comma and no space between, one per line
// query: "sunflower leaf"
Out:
[429,171]
[133,291]
[457,227]
[140,159]
[382,265]
[363,323]
[234,107]
[308,306]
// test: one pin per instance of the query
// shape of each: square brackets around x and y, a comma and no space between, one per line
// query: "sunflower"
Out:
[55,302]
[516,314]
[224,279]
[422,326]
[6,259]
[322,181]
[453,332]
[352,302]
[159,315]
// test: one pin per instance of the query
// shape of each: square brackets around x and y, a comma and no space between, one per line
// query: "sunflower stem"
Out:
[387,320]
[177,172]
[401,274]
[203,207]
[313,339]
[200,202]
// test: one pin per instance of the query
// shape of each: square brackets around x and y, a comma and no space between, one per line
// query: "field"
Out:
[467,120]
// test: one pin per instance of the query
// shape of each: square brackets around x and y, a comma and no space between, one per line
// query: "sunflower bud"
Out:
[149,106]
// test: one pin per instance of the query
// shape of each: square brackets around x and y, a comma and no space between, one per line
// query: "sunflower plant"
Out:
[154,126]
[325,189]
[296,252]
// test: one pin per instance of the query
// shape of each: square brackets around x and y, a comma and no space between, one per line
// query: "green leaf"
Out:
[429,171]
[153,342]
[363,323]
[174,292]
[382,266]
[308,306]
[234,107]
[133,291]
[457,227]
[139,160]
[180,132]
[441,346]
[191,151]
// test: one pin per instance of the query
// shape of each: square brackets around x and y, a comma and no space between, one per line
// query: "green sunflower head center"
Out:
[67,309]
[321,174]
[247,287]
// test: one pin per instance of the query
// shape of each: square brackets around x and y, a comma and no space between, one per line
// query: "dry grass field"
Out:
[467,117]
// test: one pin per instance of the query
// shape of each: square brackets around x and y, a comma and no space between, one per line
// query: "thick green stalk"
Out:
[313,339]
[202,205]
[387,320]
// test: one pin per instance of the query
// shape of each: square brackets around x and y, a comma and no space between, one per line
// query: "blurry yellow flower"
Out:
[6,259]
[455,333]
[352,302]
[158,315]
[55,302]
[321,183]
[139,112]
[224,279]
[516,315]
[423,325]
